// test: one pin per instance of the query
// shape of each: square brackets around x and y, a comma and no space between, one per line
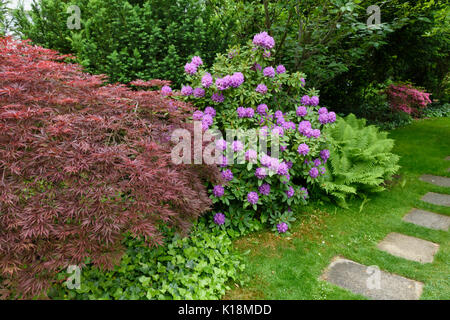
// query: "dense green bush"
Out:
[194,267]
[360,159]
[147,40]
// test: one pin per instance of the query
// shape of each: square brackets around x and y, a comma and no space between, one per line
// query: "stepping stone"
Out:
[436,180]
[410,248]
[437,198]
[371,282]
[428,219]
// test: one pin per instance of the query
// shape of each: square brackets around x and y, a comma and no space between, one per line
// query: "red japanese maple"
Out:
[81,164]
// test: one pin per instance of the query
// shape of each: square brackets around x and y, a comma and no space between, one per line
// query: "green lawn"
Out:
[289,268]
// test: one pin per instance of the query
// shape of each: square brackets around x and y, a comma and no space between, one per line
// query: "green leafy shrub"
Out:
[145,40]
[194,267]
[259,101]
[360,159]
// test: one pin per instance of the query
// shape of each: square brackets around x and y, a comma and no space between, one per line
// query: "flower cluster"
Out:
[191,68]
[264,40]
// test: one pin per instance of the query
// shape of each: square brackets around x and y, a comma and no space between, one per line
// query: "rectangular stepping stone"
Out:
[371,282]
[428,219]
[436,180]
[437,198]
[410,248]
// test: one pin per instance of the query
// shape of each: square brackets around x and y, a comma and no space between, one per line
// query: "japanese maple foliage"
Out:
[82,164]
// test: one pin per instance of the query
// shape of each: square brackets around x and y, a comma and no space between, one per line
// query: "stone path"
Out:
[437,199]
[410,248]
[436,180]
[370,281]
[374,283]
[428,219]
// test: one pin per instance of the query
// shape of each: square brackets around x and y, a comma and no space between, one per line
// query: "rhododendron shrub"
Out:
[245,91]
[406,98]
[83,164]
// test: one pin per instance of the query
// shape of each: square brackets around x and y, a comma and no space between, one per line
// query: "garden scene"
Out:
[224,150]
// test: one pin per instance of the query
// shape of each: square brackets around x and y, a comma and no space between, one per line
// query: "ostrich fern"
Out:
[361,159]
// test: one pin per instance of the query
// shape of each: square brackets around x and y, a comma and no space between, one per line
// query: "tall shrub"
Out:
[81,164]
[145,40]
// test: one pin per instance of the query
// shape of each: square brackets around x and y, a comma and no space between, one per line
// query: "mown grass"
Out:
[290,267]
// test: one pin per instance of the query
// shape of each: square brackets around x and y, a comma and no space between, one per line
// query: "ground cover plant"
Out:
[81,164]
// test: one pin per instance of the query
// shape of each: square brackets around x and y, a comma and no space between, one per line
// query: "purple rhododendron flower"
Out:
[281,69]
[261,88]
[252,197]
[217,97]
[331,117]
[211,111]
[242,113]
[305,100]
[264,131]
[266,54]
[289,125]
[207,80]
[274,164]
[263,40]
[283,148]
[317,162]
[227,175]
[313,173]
[289,164]
[323,118]
[197,115]
[221,145]
[190,68]
[303,126]
[265,160]
[314,101]
[290,192]
[257,67]
[197,61]
[323,110]
[262,109]
[269,72]
[303,149]
[237,146]
[315,133]
[166,90]
[282,227]
[301,111]
[282,169]
[251,155]
[222,83]
[325,154]
[322,170]
[199,92]
[218,190]
[219,218]
[249,112]
[264,189]
[278,114]
[277,130]
[236,79]
[186,90]
[260,173]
